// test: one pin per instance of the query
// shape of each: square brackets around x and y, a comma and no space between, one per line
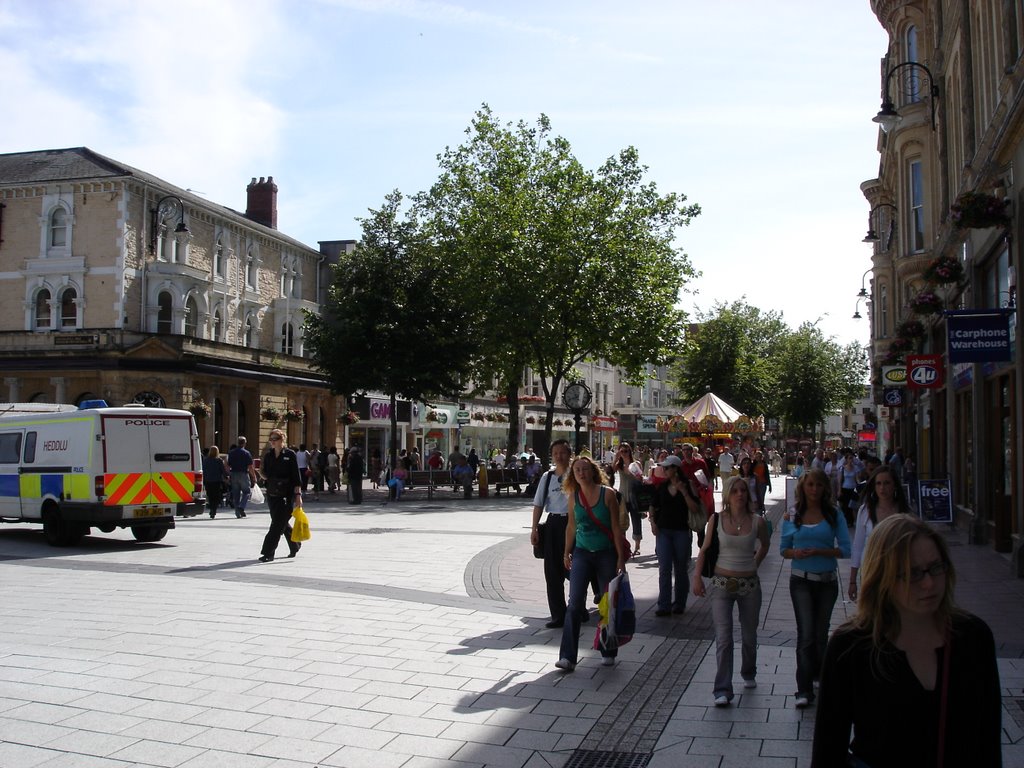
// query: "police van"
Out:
[75,468]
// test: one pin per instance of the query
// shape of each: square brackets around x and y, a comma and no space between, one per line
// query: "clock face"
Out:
[576,397]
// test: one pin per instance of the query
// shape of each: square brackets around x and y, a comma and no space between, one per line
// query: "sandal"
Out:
[636,552]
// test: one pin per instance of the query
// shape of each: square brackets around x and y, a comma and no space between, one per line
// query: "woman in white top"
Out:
[743,542]
[883,497]
[627,472]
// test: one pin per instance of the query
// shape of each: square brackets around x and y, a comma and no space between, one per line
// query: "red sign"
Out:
[604,423]
[925,371]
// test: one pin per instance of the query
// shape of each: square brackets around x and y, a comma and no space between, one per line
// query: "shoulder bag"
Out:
[711,553]
[538,549]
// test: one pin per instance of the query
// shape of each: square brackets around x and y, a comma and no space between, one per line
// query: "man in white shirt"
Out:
[725,464]
[549,496]
[499,459]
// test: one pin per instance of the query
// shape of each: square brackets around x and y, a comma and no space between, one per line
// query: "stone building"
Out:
[944,220]
[120,286]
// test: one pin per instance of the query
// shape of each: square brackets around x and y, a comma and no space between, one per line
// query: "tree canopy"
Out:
[559,263]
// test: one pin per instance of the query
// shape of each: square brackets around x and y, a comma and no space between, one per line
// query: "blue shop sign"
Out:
[978,336]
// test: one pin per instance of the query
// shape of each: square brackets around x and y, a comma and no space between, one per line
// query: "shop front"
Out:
[372,432]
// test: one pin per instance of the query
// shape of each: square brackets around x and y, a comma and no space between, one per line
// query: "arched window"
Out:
[59,228]
[913,73]
[42,320]
[68,308]
[248,331]
[218,326]
[218,259]
[191,317]
[287,339]
[165,313]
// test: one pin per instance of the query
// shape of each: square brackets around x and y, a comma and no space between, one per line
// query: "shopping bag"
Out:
[256,495]
[300,528]
[618,615]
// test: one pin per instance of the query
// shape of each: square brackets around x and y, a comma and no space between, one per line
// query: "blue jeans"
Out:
[812,604]
[749,604]
[673,547]
[240,490]
[585,566]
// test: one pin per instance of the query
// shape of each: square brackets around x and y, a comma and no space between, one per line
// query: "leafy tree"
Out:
[731,352]
[393,320]
[816,377]
[561,264]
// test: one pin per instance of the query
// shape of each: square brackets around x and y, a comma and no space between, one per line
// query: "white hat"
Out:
[672,461]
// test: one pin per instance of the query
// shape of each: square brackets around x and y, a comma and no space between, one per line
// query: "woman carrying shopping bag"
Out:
[280,469]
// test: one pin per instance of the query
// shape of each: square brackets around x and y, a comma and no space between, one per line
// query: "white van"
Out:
[72,468]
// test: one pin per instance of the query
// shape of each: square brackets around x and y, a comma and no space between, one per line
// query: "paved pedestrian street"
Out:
[409,634]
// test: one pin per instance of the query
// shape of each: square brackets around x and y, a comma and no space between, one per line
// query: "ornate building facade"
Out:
[122,287]
[945,226]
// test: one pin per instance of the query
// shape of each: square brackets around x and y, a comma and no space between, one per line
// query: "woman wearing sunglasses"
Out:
[280,469]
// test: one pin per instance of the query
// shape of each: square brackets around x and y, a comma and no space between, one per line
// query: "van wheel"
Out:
[59,533]
[149,532]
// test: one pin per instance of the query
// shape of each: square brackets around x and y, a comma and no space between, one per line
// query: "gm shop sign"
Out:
[925,371]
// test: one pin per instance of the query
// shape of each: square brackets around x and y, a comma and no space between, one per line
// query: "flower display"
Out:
[478,416]
[902,344]
[911,329]
[926,303]
[531,419]
[944,269]
[349,417]
[978,210]
[199,409]
[270,414]
[294,414]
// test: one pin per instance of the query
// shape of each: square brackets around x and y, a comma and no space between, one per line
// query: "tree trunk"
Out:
[513,422]
[393,447]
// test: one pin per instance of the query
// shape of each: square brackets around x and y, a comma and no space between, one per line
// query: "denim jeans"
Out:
[812,604]
[749,604]
[585,566]
[673,547]
[240,490]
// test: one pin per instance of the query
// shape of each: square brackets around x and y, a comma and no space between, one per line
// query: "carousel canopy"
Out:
[710,405]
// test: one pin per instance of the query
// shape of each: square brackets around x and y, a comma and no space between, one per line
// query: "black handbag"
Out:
[711,554]
[538,548]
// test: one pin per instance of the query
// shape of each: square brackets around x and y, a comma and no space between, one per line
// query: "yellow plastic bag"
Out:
[300,528]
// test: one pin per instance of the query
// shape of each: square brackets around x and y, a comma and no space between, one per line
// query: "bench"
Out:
[506,479]
[432,480]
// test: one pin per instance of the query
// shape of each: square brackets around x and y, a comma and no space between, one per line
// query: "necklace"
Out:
[734,524]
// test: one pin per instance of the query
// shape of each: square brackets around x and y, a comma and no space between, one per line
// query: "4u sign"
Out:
[925,371]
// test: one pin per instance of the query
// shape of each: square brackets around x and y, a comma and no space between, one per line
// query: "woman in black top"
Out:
[914,675]
[280,469]
[673,539]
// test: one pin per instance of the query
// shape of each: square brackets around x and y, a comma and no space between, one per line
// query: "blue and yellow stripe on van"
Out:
[38,485]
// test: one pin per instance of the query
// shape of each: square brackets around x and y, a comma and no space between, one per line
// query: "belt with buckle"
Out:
[812,576]
[734,584]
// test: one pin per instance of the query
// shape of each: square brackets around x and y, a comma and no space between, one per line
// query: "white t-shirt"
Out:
[554,501]
[725,463]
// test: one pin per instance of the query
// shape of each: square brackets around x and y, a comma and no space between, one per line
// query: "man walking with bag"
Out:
[550,497]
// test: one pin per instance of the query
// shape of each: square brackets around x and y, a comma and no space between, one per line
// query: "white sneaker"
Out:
[750,683]
[565,665]
[721,701]
[802,701]
[607,661]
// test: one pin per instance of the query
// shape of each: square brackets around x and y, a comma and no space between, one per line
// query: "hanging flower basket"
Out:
[531,419]
[944,270]
[926,303]
[270,414]
[556,423]
[349,417]
[911,329]
[901,344]
[491,417]
[977,210]
[294,414]
[478,416]
[500,417]
[199,409]
[615,414]
[433,417]
[542,420]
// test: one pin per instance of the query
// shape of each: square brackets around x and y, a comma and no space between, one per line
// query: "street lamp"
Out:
[887,117]
[167,207]
[577,397]
[872,236]
[856,310]
[863,292]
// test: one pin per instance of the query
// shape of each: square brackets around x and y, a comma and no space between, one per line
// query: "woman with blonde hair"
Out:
[594,547]
[813,536]
[914,676]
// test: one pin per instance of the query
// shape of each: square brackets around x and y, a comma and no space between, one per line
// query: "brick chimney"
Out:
[261,201]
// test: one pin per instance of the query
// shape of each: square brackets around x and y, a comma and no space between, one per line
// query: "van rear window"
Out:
[171,457]
[10,448]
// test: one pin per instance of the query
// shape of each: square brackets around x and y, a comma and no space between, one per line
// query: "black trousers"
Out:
[280,514]
[554,565]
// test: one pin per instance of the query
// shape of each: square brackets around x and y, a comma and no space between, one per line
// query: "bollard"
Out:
[482,480]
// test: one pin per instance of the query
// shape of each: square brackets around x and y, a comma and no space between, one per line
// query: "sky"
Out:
[758,110]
